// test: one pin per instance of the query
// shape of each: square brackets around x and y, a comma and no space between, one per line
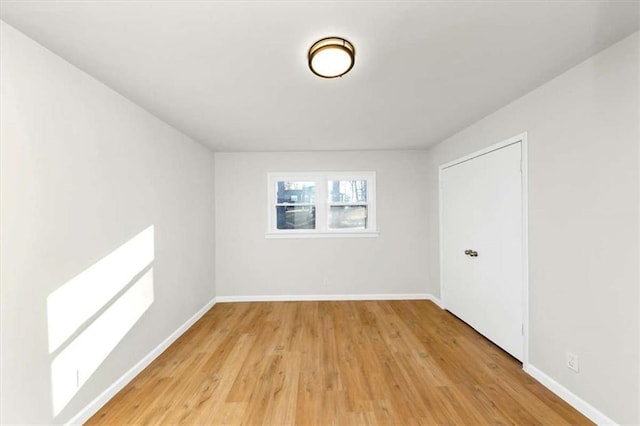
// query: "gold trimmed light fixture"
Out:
[331,57]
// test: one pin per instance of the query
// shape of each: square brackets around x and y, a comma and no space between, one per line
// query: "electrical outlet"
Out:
[572,362]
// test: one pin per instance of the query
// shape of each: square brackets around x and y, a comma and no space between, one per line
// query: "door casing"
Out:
[522,139]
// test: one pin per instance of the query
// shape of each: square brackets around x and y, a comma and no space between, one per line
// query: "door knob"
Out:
[471,253]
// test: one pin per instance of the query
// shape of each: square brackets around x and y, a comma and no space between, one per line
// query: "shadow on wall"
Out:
[91,313]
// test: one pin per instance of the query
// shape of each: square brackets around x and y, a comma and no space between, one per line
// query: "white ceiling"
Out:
[234,76]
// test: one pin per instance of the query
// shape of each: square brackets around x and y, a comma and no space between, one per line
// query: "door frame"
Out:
[522,139]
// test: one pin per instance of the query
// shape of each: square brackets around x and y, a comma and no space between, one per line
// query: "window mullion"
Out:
[321,204]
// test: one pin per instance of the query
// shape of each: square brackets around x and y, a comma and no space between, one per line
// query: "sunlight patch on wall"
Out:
[78,361]
[89,315]
[81,297]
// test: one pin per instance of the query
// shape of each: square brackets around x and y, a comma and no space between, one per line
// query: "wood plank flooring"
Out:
[323,363]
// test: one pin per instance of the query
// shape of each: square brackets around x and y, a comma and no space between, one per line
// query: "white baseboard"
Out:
[93,407]
[327,297]
[435,300]
[572,399]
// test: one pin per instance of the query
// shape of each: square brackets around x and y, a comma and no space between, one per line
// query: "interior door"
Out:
[482,245]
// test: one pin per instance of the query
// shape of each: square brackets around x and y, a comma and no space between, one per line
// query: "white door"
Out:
[482,213]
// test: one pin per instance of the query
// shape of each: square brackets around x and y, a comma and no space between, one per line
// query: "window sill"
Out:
[285,235]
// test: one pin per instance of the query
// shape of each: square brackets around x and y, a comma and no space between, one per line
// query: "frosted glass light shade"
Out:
[331,57]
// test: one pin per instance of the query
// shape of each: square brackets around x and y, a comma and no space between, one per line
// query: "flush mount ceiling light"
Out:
[331,57]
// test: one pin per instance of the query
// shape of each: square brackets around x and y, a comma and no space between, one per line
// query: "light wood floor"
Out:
[379,362]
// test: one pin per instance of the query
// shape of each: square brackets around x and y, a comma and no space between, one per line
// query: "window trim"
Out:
[322,205]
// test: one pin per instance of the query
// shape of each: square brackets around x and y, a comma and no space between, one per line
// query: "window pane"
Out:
[348,191]
[348,217]
[296,217]
[296,192]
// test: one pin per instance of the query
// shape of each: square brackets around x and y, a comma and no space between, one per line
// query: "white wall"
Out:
[247,264]
[584,178]
[83,171]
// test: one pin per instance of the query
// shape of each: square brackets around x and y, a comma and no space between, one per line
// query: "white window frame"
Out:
[322,205]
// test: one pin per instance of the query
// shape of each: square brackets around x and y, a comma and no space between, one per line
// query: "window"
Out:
[321,205]
[295,206]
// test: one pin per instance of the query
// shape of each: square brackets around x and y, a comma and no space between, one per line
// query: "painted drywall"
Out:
[248,264]
[83,170]
[583,222]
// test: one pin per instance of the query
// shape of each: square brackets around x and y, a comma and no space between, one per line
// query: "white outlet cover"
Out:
[572,362]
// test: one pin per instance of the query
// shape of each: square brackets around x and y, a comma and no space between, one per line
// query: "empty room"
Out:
[319,212]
